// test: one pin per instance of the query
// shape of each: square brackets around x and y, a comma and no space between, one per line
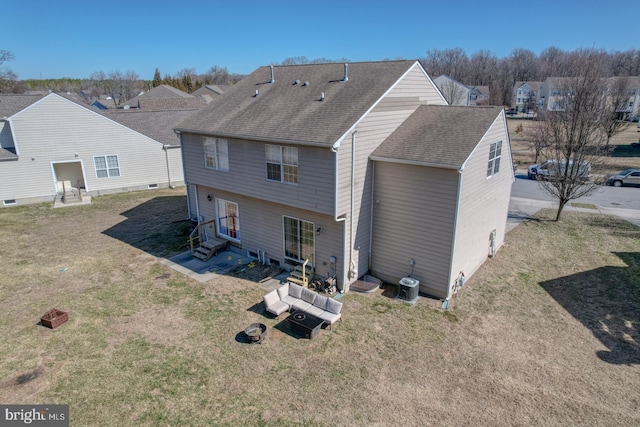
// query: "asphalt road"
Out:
[606,196]
[527,197]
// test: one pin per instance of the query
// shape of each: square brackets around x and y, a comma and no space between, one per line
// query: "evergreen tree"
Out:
[157,80]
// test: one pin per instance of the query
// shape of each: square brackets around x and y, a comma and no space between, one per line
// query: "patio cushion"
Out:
[271,298]
[295,290]
[283,291]
[308,295]
[333,306]
[290,300]
[329,317]
[315,311]
[301,305]
[320,302]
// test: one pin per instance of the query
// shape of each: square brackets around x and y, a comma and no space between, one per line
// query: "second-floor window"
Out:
[495,152]
[282,163]
[216,154]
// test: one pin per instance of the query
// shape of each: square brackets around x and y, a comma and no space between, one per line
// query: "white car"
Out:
[551,168]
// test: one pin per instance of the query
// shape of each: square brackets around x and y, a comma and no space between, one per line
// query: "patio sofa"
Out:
[291,296]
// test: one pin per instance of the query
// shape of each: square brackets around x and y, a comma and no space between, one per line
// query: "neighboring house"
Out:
[49,143]
[554,90]
[165,97]
[104,103]
[457,93]
[210,92]
[355,168]
[525,96]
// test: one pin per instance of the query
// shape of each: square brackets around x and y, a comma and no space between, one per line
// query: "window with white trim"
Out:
[282,163]
[216,154]
[495,151]
[298,239]
[228,219]
[106,166]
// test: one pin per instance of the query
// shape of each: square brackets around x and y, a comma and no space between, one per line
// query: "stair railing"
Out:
[196,236]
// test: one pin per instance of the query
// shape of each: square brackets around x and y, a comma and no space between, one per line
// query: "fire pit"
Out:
[256,332]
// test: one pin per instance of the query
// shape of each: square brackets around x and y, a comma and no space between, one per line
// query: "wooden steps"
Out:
[301,274]
[209,248]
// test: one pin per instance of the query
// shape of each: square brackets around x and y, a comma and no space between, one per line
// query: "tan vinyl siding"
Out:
[261,227]
[413,218]
[247,173]
[57,130]
[484,202]
[399,103]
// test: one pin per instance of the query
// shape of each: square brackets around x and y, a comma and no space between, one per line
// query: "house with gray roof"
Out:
[53,148]
[457,93]
[352,168]
[165,97]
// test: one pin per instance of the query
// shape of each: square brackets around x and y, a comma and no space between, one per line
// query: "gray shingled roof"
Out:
[159,92]
[170,103]
[288,111]
[7,155]
[437,135]
[157,125]
[11,104]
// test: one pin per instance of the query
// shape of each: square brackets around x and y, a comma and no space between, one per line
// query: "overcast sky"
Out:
[64,38]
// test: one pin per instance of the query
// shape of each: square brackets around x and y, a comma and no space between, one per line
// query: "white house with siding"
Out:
[281,166]
[50,142]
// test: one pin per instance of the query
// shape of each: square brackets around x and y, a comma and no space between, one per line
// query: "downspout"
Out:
[373,183]
[166,157]
[455,227]
[352,267]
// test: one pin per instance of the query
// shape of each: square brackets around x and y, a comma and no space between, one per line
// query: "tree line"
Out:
[482,68]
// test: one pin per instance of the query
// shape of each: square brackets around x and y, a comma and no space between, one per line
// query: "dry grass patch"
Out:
[545,334]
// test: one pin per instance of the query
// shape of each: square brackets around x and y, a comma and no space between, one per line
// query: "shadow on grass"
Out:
[607,301]
[159,226]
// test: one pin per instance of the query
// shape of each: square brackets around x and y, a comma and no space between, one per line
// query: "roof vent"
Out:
[273,80]
[256,93]
[346,73]
[322,96]
[305,83]
[296,82]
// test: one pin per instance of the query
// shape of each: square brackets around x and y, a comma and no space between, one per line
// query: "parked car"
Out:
[626,177]
[511,112]
[552,168]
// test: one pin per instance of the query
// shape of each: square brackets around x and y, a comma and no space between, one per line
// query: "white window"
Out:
[298,239]
[106,166]
[216,154]
[495,151]
[228,219]
[282,163]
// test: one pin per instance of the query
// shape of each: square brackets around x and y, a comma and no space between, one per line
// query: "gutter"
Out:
[416,163]
[255,138]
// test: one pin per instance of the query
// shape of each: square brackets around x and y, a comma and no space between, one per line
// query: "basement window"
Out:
[9,202]
[151,186]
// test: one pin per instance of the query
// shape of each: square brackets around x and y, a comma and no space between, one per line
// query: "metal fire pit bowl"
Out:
[256,332]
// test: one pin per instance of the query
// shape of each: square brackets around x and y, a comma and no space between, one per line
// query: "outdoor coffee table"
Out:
[305,324]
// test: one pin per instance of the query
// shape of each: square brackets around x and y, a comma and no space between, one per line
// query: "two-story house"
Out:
[52,148]
[357,167]
[457,93]
[525,96]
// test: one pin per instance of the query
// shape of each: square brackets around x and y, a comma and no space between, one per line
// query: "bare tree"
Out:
[575,141]
[218,75]
[615,107]
[453,92]
[539,136]
[7,77]
[122,86]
